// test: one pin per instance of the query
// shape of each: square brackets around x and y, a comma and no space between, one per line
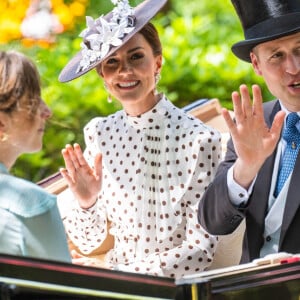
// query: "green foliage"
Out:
[198,59]
[198,63]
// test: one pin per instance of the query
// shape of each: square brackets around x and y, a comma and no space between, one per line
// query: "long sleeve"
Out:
[86,228]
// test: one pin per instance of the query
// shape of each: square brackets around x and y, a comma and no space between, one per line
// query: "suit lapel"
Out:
[259,199]
[292,200]
[258,206]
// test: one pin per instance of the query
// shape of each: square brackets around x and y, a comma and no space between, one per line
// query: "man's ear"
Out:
[255,63]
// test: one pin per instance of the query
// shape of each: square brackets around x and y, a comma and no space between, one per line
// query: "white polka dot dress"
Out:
[156,168]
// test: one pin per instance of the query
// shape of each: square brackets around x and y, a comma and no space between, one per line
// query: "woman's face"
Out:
[129,75]
[26,129]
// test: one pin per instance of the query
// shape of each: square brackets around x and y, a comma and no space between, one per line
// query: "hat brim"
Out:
[143,12]
[242,49]
[267,31]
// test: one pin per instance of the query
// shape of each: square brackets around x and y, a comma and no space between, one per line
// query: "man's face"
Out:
[278,62]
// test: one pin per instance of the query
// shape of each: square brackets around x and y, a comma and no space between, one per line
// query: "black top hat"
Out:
[108,33]
[265,20]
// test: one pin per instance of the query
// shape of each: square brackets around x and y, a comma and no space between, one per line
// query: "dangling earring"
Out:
[109,98]
[4,137]
[157,79]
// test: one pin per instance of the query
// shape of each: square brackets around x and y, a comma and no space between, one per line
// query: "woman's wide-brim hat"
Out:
[105,35]
[265,20]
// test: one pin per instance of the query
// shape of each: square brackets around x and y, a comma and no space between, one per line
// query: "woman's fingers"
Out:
[79,155]
[73,157]
[65,174]
[70,168]
[98,165]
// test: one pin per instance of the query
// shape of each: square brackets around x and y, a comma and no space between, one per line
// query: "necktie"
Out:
[292,138]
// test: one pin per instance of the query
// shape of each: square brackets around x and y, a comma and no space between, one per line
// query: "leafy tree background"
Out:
[198,63]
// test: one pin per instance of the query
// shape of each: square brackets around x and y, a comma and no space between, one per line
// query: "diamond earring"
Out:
[157,77]
[109,97]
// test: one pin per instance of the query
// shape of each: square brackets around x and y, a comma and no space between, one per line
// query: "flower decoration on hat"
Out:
[101,34]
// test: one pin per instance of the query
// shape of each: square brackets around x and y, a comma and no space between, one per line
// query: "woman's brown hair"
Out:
[19,81]
[149,32]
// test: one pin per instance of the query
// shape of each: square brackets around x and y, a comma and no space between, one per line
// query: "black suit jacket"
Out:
[218,216]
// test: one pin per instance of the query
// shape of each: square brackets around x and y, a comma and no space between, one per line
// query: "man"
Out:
[245,186]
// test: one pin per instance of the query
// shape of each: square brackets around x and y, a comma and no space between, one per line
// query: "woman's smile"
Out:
[128,84]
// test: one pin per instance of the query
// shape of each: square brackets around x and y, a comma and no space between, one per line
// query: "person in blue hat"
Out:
[259,179]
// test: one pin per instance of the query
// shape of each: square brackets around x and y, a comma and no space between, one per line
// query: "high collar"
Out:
[152,117]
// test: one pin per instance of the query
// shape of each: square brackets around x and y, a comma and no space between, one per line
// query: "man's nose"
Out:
[293,64]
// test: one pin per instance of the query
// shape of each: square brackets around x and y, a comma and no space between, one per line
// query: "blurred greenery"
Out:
[198,63]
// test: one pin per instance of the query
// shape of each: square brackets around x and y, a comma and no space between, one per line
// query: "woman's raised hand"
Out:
[84,181]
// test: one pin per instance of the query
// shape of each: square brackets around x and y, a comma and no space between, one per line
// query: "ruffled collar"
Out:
[23,197]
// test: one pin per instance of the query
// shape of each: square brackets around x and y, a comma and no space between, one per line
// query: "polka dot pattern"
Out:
[156,168]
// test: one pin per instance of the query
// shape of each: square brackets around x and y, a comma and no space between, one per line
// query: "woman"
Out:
[152,162]
[30,223]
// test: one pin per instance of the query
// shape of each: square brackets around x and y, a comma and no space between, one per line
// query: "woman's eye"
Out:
[111,61]
[137,56]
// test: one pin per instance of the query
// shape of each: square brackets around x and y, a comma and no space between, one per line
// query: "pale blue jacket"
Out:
[30,223]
